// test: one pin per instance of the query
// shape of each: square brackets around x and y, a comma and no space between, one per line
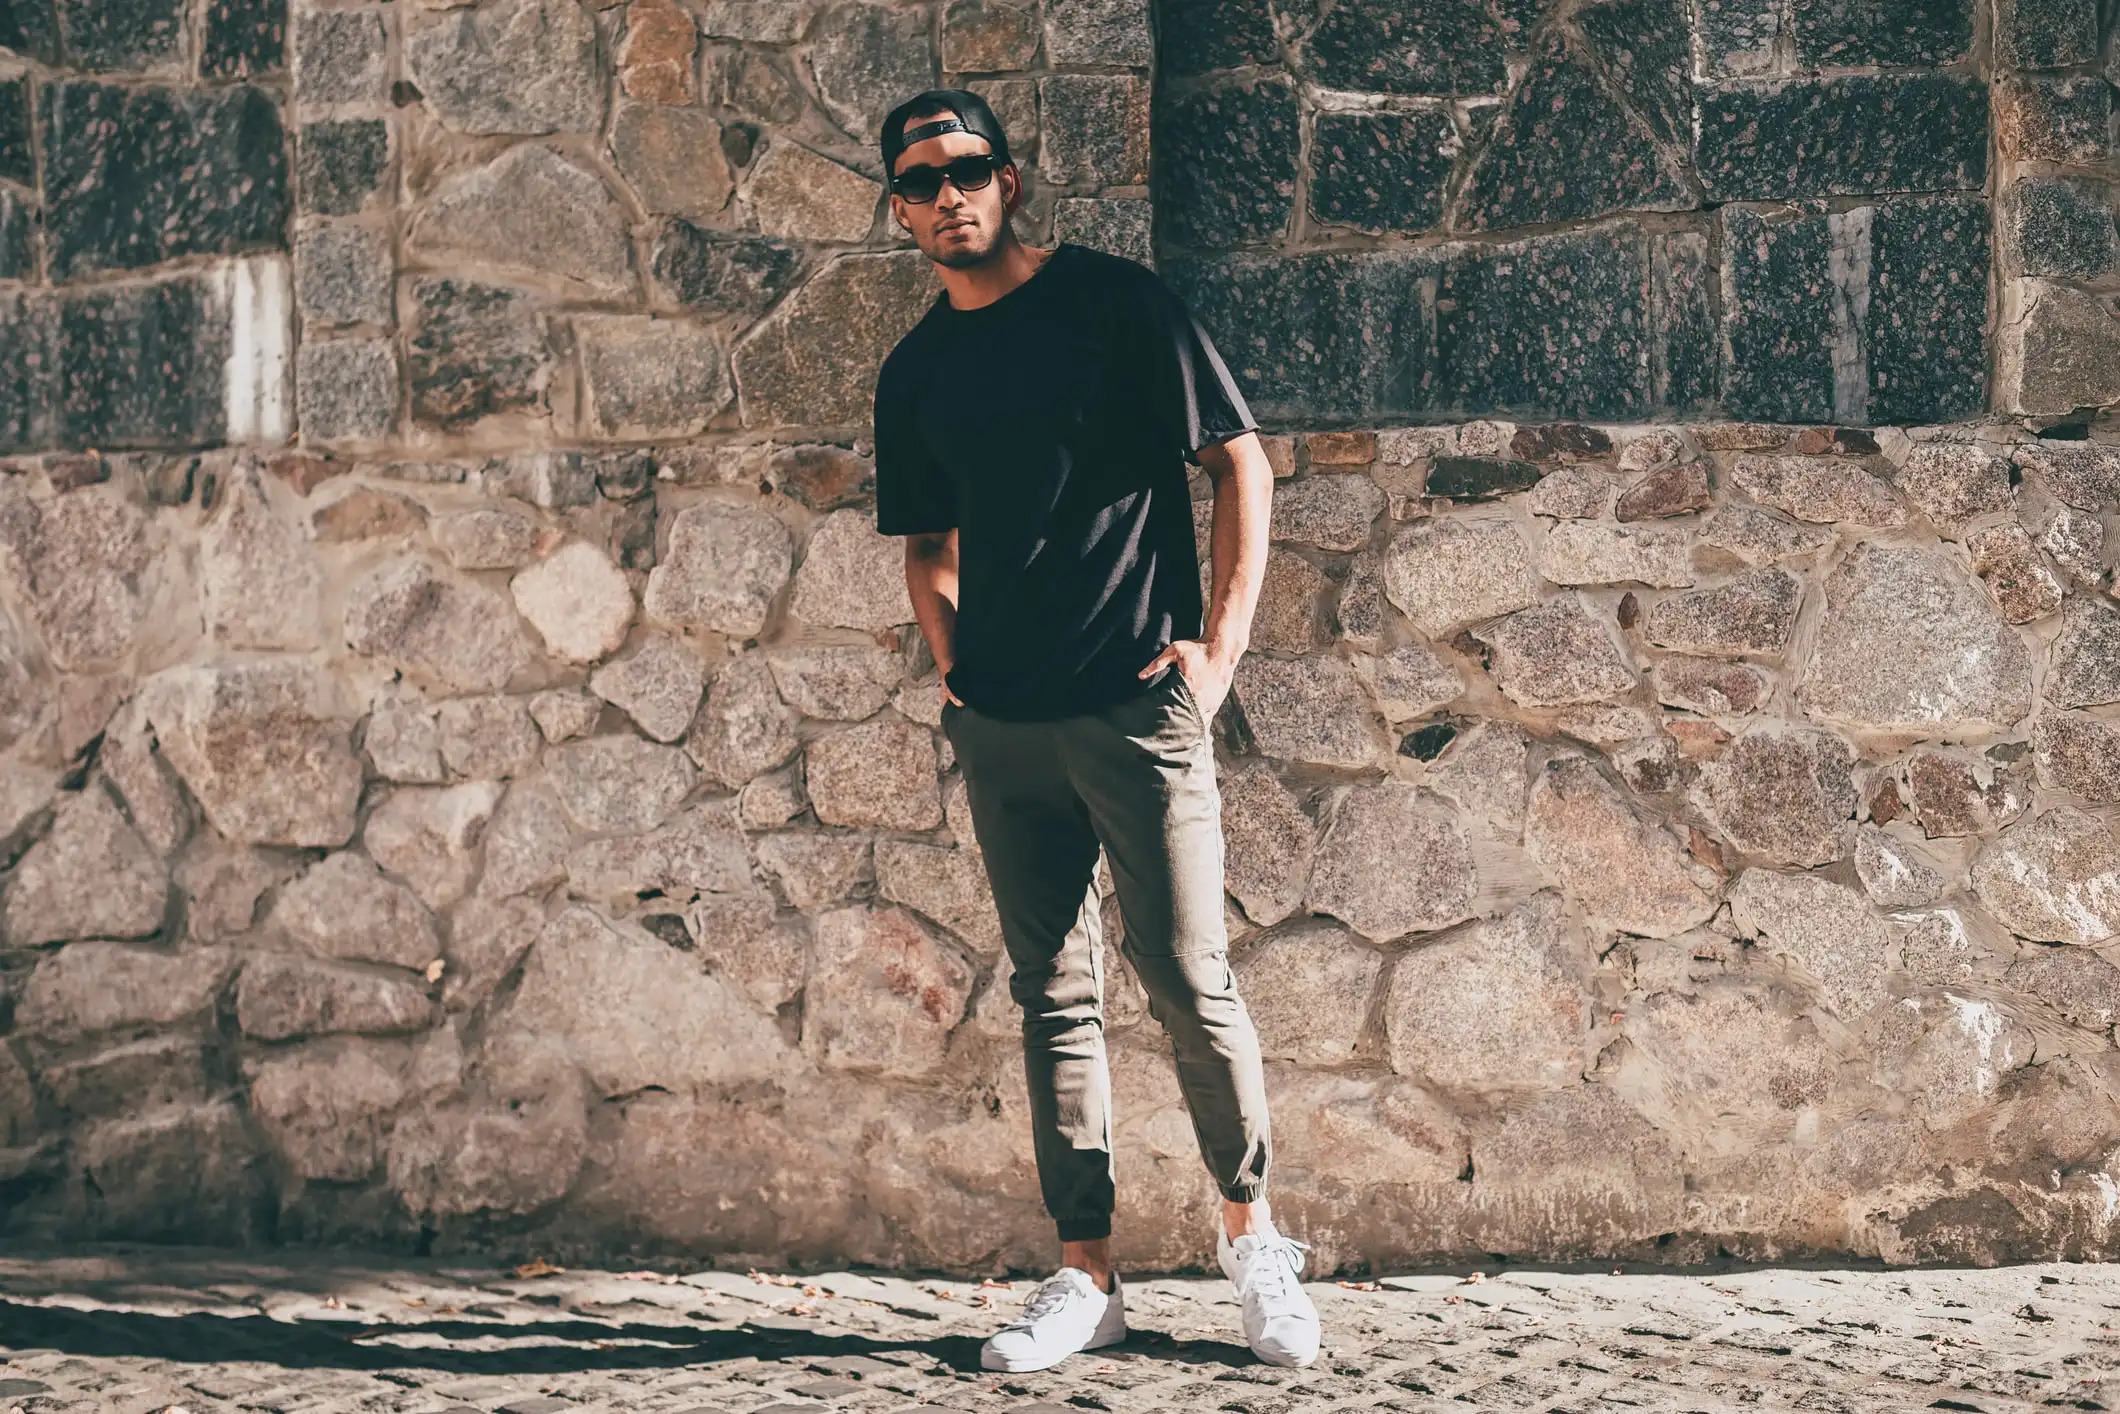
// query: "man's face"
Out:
[957,228]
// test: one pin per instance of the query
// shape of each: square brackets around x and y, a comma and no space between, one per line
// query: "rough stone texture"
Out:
[1953,482]
[2016,577]
[658,686]
[261,749]
[140,175]
[1556,654]
[1296,982]
[580,296]
[1309,709]
[1782,795]
[1391,863]
[1859,133]
[811,362]
[2054,877]
[1448,572]
[880,774]
[530,212]
[883,993]
[2085,666]
[1752,613]
[507,66]
[1909,645]
[2078,754]
[724,566]
[1818,489]
[1610,862]
[1594,552]
[1501,1006]
[632,1011]
[1825,928]
[852,577]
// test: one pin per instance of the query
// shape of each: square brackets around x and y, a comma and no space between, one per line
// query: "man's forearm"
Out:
[1243,505]
[931,583]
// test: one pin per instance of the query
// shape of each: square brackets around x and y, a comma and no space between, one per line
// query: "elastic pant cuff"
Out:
[1086,1229]
[1245,1192]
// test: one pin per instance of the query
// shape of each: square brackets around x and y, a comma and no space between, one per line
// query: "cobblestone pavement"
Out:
[136,1330]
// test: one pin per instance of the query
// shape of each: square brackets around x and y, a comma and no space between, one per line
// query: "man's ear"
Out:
[1011,189]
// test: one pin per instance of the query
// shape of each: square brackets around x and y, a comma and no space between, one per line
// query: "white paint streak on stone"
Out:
[1983,1023]
[1848,266]
[259,295]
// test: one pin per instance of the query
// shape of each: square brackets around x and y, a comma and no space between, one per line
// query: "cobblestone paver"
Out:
[139,1330]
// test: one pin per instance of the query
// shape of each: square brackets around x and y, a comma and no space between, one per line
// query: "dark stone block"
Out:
[475,350]
[107,35]
[142,366]
[1389,46]
[28,333]
[1480,478]
[243,37]
[1566,149]
[18,250]
[1737,36]
[17,158]
[1688,361]
[342,164]
[1647,50]
[1926,333]
[30,28]
[716,275]
[1778,315]
[2062,227]
[1380,171]
[2046,34]
[2047,118]
[1856,134]
[136,176]
[1227,163]
[1195,36]
[1907,32]
[1427,743]
[1518,16]
[124,366]
[1314,337]
[1558,442]
[1553,325]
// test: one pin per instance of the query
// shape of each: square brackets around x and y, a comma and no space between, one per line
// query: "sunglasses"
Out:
[922,184]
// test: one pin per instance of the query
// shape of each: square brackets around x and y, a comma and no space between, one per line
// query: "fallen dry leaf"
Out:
[537,1267]
[413,1300]
[434,970]
[1474,1279]
[334,1303]
[773,1279]
[1359,1285]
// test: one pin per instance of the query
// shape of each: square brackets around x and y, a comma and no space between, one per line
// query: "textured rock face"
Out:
[1392,863]
[2054,877]
[1909,645]
[465,749]
[1617,867]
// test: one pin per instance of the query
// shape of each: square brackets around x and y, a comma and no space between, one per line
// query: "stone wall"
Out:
[468,779]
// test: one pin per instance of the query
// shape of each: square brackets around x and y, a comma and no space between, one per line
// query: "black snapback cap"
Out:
[971,116]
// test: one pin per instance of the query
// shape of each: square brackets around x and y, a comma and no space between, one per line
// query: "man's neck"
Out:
[982,284]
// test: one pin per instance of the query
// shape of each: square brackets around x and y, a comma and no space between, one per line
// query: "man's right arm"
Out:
[931,581]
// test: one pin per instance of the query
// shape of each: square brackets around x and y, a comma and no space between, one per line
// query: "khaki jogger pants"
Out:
[1137,778]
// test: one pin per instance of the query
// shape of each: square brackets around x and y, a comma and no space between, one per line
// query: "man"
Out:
[1031,439]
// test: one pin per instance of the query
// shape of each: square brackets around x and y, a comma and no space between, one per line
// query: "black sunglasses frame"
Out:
[982,164]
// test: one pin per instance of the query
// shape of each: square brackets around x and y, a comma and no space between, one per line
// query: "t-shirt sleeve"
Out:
[913,493]
[1194,399]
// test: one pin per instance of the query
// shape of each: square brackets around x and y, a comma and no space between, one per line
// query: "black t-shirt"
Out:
[1051,429]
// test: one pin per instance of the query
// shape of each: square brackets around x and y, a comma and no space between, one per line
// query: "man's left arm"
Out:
[1243,506]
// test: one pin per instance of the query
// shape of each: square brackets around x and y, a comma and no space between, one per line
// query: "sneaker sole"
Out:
[989,1361]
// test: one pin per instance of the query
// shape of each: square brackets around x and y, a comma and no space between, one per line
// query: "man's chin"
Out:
[959,253]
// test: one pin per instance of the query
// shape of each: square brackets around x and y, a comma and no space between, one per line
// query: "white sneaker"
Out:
[1280,1323]
[1065,1314]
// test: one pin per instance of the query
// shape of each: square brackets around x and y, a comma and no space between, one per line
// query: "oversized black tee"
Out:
[1051,428]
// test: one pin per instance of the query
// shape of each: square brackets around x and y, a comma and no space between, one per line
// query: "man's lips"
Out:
[953,226]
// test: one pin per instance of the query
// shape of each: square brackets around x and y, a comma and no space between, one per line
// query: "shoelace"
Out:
[1051,1295]
[1276,1263]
